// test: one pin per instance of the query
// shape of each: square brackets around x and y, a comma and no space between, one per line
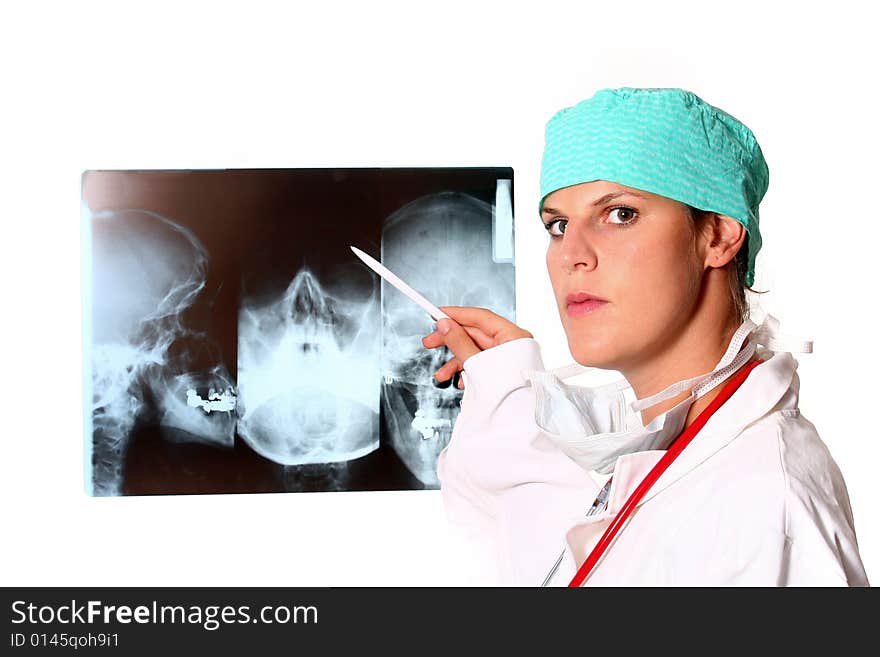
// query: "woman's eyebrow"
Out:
[599,201]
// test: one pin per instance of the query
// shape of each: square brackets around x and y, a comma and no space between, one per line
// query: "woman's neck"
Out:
[697,350]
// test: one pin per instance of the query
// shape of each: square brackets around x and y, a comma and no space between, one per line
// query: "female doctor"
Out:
[695,468]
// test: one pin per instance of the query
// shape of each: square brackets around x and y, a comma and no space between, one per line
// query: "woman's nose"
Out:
[576,248]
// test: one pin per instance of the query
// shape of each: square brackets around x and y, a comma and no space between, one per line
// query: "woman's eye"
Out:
[627,216]
[550,224]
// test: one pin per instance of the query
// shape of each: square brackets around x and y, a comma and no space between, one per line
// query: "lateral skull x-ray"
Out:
[332,388]
[147,271]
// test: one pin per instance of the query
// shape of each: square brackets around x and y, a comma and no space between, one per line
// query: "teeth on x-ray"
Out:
[429,428]
[331,382]
[215,401]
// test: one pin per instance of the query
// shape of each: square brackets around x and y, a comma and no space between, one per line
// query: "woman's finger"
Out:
[448,369]
[457,339]
[496,328]
[479,318]
[483,341]
[458,380]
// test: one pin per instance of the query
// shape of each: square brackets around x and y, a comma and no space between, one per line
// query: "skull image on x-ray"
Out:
[308,366]
[442,245]
[190,272]
[147,365]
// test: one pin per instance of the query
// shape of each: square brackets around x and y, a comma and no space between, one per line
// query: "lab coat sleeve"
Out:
[821,547]
[508,492]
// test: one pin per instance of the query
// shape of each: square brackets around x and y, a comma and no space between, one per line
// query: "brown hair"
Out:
[736,270]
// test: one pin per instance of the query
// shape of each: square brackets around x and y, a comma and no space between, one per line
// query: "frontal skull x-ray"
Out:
[442,245]
[234,342]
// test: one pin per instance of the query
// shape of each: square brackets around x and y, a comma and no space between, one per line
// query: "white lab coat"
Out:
[755,499]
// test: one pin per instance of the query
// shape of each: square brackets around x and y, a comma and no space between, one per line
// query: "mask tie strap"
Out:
[769,335]
[733,359]
[571,369]
[563,372]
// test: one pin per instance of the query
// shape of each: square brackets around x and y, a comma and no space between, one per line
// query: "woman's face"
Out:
[634,249]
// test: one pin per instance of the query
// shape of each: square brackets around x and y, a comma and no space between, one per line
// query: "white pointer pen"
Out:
[389,276]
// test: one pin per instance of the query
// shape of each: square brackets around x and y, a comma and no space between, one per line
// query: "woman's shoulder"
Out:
[809,469]
[785,446]
[781,464]
[819,520]
[781,469]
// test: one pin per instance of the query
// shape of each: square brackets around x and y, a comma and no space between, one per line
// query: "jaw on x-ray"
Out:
[331,387]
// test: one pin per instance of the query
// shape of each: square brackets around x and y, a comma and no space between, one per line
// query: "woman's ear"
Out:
[725,237]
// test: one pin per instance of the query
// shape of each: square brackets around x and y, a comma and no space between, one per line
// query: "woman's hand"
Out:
[470,331]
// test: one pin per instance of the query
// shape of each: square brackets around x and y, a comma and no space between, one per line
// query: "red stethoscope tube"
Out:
[674,450]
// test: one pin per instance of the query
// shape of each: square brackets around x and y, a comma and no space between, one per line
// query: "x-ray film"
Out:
[233,343]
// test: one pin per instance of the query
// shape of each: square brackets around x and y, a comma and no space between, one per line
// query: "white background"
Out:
[91,85]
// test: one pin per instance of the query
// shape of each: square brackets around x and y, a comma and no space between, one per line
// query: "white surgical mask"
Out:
[594,425]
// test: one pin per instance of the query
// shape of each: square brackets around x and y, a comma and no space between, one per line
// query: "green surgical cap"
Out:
[665,141]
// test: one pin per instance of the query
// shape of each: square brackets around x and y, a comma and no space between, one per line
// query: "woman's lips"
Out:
[579,309]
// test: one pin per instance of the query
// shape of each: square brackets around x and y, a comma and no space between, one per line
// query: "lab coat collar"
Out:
[770,386]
